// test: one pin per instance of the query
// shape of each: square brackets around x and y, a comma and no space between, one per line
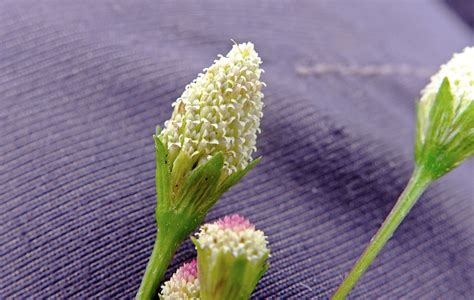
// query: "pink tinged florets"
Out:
[187,272]
[184,284]
[235,223]
[233,235]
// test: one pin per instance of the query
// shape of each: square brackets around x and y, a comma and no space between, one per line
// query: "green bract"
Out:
[184,202]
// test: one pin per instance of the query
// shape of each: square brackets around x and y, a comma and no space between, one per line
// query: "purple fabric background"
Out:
[83,84]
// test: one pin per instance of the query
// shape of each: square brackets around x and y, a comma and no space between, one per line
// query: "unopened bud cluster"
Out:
[234,235]
[219,111]
[184,284]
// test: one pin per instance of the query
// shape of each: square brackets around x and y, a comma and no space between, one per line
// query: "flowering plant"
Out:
[204,149]
[444,139]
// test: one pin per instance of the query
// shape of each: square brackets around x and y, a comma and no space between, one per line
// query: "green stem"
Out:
[418,183]
[163,251]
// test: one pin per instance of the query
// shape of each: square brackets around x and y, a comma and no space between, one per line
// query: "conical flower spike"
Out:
[183,285]
[220,111]
[444,139]
[232,257]
[204,149]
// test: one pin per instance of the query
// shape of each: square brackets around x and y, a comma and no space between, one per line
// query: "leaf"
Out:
[235,178]
[197,192]
[441,115]
[181,166]
[264,265]
[461,142]
[162,176]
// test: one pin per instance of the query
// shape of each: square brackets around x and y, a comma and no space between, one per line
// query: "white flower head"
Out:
[460,72]
[232,257]
[219,111]
[233,235]
[184,284]
[445,121]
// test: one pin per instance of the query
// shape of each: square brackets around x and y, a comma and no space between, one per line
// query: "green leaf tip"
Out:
[197,193]
[158,130]
[162,175]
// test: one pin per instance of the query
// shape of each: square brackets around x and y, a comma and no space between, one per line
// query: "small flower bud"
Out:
[445,121]
[184,284]
[232,257]
[219,111]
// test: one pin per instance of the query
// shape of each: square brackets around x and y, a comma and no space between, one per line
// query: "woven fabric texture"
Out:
[84,83]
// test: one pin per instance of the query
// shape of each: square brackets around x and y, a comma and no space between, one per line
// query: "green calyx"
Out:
[223,276]
[190,191]
[185,193]
[448,137]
